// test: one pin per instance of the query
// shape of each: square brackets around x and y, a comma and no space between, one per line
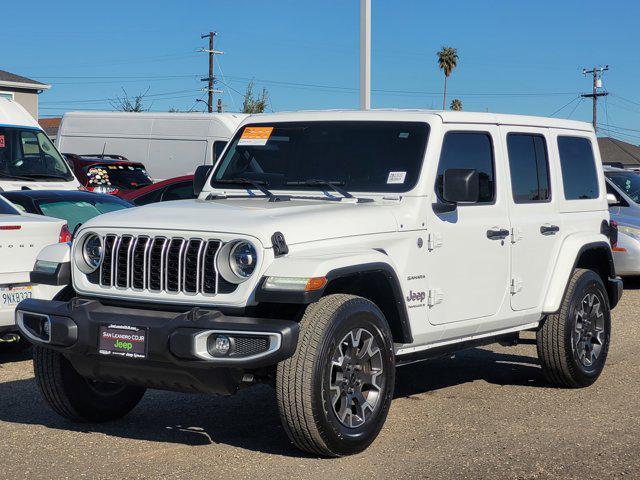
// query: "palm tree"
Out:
[456,105]
[447,61]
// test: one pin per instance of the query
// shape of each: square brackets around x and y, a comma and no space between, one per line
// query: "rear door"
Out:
[535,220]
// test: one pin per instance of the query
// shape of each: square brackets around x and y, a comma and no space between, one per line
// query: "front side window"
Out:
[628,182]
[359,156]
[179,191]
[578,166]
[77,212]
[472,150]
[529,168]
[27,153]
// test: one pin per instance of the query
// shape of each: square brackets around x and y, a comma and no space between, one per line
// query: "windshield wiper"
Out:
[257,184]
[45,175]
[15,177]
[333,185]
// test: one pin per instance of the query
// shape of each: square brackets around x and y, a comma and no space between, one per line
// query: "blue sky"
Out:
[516,57]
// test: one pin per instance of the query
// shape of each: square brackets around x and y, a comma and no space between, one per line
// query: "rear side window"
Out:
[578,165]
[218,147]
[529,168]
[179,191]
[469,150]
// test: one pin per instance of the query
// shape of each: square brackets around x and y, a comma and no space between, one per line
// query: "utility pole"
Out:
[597,84]
[365,54]
[211,78]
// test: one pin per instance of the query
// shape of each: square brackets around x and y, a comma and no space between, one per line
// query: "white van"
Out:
[168,144]
[28,159]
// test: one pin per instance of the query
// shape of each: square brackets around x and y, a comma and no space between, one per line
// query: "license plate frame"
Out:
[12,295]
[124,341]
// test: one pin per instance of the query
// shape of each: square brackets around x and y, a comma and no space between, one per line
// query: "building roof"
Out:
[8,79]
[50,125]
[613,150]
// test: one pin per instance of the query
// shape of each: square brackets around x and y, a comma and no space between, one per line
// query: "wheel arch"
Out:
[594,255]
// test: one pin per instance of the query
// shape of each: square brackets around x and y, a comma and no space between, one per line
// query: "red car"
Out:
[112,174]
[178,188]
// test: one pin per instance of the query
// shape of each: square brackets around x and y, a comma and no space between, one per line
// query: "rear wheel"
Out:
[78,398]
[334,393]
[573,343]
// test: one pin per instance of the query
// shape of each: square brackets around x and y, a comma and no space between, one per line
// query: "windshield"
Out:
[124,177]
[364,156]
[77,212]
[27,153]
[628,182]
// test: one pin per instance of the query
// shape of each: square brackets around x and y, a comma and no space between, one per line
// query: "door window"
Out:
[179,191]
[472,150]
[578,167]
[529,168]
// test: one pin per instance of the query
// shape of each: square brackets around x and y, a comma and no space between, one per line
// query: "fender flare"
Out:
[53,265]
[567,260]
[341,267]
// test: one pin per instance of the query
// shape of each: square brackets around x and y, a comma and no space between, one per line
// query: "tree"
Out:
[447,61]
[253,104]
[456,105]
[130,104]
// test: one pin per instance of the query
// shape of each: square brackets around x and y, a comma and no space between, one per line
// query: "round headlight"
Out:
[92,252]
[243,259]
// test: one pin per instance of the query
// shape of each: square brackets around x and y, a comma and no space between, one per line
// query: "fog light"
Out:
[221,345]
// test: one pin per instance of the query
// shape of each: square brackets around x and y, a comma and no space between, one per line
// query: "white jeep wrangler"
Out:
[324,250]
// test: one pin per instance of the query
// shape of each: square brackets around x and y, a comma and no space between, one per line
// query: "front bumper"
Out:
[176,355]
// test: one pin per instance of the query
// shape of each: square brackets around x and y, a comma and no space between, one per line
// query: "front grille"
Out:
[156,264]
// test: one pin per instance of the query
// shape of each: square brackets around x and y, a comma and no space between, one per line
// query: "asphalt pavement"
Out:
[487,413]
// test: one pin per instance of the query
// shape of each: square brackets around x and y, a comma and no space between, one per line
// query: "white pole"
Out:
[365,54]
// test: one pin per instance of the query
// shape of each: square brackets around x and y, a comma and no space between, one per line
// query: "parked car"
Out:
[178,188]
[75,207]
[113,174]
[325,249]
[22,236]
[169,144]
[623,188]
[28,159]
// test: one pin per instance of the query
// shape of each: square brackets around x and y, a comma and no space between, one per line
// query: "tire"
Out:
[77,398]
[335,409]
[573,343]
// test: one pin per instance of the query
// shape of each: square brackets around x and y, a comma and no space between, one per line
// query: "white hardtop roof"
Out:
[12,113]
[231,120]
[422,115]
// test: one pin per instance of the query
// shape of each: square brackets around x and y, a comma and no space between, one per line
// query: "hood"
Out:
[300,220]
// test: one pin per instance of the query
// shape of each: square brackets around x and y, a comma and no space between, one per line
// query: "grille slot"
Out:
[156,264]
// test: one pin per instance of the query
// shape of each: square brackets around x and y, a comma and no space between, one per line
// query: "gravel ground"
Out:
[487,413]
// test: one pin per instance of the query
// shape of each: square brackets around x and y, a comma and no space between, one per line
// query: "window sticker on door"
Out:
[255,136]
[1,141]
[396,177]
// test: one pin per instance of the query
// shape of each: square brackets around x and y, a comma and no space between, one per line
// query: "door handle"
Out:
[499,234]
[548,229]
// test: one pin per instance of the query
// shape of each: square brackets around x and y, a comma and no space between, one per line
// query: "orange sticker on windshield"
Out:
[255,136]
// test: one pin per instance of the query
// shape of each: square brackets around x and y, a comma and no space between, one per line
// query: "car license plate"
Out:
[12,296]
[123,341]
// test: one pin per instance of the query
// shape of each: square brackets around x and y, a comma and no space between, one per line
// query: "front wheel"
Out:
[77,398]
[334,393]
[573,343]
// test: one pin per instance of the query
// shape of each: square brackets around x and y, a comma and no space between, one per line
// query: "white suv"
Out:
[325,249]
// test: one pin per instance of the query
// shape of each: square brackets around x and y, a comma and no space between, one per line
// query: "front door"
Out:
[468,261]
[535,220]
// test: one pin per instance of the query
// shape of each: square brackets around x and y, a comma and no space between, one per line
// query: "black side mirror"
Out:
[200,178]
[460,185]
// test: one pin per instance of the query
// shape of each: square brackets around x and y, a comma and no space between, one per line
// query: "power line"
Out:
[564,106]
